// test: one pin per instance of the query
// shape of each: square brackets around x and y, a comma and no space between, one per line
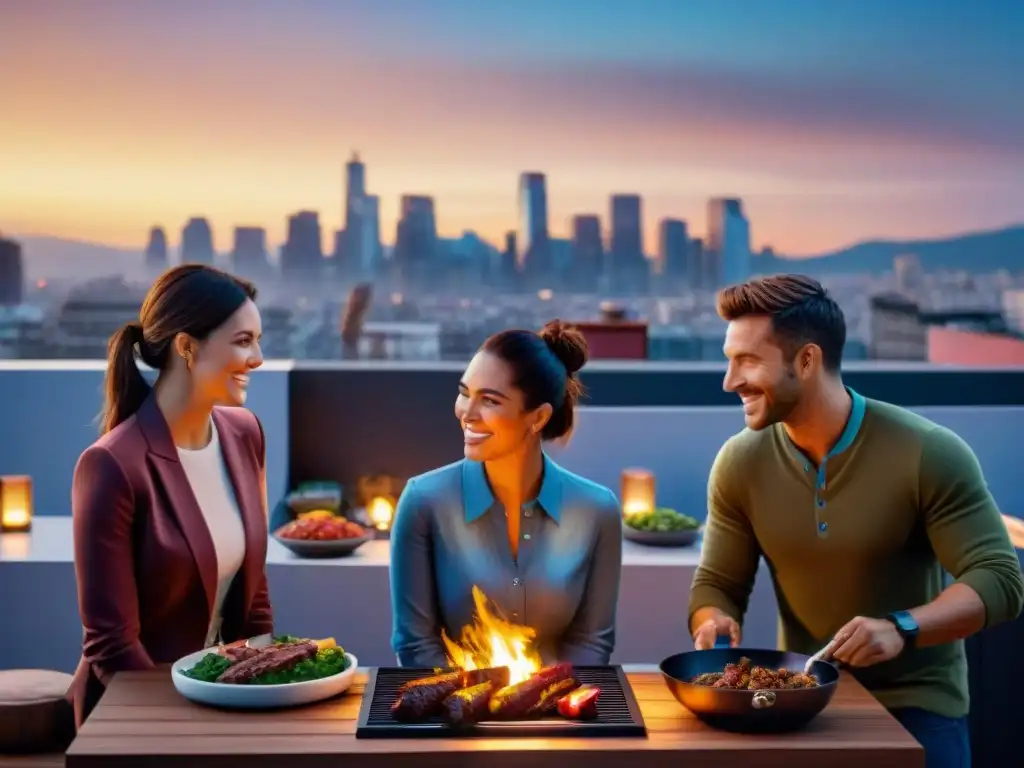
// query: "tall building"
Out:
[197,242]
[302,252]
[728,237]
[587,261]
[156,250]
[12,273]
[534,260]
[372,251]
[249,254]
[673,252]
[416,251]
[353,256]
[627,263]
[507,274]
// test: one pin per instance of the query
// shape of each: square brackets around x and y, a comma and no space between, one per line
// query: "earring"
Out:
[188,361]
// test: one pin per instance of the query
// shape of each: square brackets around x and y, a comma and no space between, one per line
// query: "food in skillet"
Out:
[463,698]
[286,660]
[743,676]
[321,529]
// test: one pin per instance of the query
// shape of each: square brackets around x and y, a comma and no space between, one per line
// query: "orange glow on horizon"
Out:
[145,136]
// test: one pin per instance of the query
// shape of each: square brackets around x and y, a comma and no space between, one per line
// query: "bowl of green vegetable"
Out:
[265,673]
[661,528]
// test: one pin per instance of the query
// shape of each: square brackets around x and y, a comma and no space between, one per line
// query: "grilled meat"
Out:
[467,678]
[237,653]
[443,678]
[469,705]
[272,659]
[500,676]
[421,702]
[514,701]
[745,676]
[549,698]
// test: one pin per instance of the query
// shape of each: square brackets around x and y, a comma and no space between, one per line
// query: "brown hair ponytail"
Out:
[125,388]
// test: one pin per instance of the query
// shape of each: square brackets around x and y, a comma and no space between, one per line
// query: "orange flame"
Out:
[491,641]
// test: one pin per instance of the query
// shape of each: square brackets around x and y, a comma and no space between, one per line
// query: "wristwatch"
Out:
[906,626]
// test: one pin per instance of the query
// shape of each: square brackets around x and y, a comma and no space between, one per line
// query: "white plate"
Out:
[258,696]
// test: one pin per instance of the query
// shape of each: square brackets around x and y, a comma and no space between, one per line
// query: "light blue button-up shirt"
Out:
[450,533]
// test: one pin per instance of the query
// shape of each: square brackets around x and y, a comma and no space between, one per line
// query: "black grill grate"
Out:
[617,710]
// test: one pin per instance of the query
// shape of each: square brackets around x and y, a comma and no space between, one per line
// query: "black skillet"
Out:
[767,711]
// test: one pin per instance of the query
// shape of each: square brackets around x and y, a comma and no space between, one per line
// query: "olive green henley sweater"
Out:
[898,502]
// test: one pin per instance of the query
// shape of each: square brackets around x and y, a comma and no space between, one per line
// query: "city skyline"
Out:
[833,124]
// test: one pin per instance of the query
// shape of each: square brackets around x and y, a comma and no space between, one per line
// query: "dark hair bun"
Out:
[568,344]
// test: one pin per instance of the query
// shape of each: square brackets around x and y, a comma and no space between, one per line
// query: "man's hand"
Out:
[863,642]
[714,626]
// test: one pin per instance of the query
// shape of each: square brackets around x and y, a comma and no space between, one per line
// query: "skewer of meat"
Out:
[513,702]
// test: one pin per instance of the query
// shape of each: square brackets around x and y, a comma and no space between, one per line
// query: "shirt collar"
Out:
[477,497]
[849,433]
[853,425]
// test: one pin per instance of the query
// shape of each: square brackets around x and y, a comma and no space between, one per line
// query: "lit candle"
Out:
[15,503]
[381,511]
[637,491]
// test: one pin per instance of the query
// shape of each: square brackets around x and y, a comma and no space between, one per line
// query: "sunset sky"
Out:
[835,120]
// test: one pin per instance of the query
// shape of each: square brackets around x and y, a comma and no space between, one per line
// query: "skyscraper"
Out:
[197,242]
[673,252]
[372,252]
[534,259]
[249,255]
[354,257]
[729,238]
[156,249]
[12,273]
[416,241]
[302,252]
[629,268]
[587,262]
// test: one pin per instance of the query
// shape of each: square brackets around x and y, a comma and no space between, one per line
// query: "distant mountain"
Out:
[973,252]
[52,257]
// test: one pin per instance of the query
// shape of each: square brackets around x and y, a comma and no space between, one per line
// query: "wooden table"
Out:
[142,722]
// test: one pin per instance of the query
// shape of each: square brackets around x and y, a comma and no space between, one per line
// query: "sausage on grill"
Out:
[469,705]
[515,701]
[422,702]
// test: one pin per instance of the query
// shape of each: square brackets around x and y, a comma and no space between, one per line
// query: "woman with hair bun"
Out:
[169,505]
[543,544]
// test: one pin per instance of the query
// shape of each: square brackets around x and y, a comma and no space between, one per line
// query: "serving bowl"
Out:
[231,696]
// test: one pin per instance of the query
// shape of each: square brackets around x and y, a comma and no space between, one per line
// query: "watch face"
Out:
[905,623]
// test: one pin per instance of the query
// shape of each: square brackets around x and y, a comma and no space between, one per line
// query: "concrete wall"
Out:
[48,417]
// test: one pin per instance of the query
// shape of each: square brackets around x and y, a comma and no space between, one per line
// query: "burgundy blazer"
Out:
[144,559]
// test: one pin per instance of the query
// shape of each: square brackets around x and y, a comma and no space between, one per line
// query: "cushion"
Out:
[35,714]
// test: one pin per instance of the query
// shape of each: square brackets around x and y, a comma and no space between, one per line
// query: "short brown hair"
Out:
[801,311]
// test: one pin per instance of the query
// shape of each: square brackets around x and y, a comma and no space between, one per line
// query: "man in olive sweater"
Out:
[859,508]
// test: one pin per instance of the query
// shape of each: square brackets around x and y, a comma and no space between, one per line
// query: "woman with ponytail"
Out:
[543,544]
[169,505]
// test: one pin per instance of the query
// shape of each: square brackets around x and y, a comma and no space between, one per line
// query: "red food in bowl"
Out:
[322,529]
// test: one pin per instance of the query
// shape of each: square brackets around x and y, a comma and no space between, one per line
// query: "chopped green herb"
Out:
[209,668]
